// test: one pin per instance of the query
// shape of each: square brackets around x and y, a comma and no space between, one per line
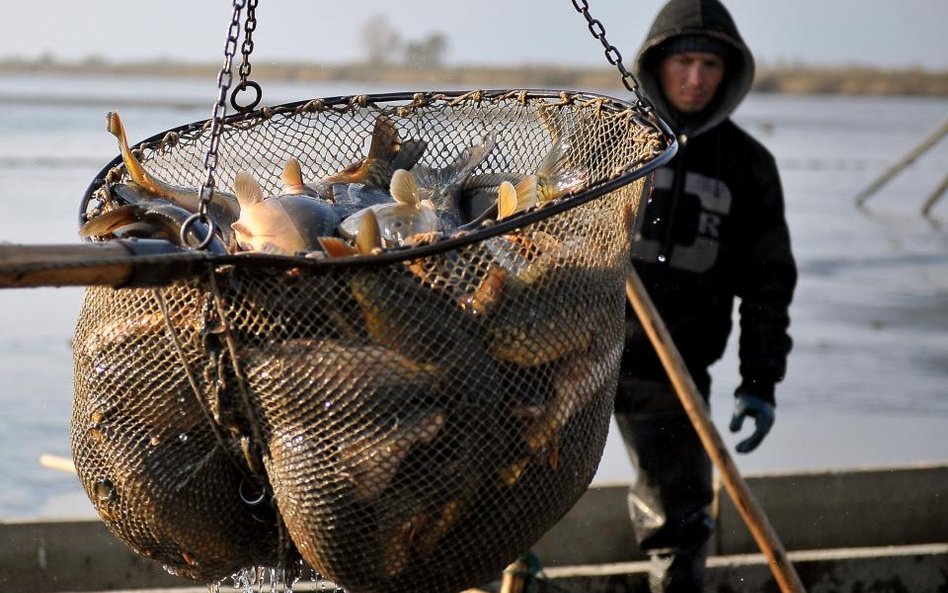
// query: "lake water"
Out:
[868,378]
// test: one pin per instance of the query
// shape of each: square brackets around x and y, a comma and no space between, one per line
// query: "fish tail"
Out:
[557,173]
[247,189]
[469,160]
[135,170]
[105,223]
[409,153]
[385,140]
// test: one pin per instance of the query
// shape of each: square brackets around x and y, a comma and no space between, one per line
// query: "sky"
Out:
[883,33]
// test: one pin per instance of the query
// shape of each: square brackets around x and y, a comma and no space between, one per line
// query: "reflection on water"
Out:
[867,381]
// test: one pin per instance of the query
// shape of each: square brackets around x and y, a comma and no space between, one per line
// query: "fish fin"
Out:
[527,195]
[135,169]
[506,200]
[292,175]
[426,176]
[248,190]
[470,159]
[404,188]
[409,153]
[239,227]
[483,181]
[557,174]
[385,140]
[103,224]
[370,235]
[554,159]
[335,247]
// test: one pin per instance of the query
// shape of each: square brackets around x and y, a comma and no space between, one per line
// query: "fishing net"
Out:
[405,421]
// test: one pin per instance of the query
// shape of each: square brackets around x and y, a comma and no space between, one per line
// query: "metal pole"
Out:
[905,161]
[694,405]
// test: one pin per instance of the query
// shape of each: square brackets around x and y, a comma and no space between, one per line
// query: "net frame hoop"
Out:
[112,171]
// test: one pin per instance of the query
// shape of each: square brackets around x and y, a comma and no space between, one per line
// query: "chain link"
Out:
[598,31]
[247,48]
[250,25]
[224,79]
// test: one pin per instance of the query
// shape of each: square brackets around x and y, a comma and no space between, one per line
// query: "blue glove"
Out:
[763,413]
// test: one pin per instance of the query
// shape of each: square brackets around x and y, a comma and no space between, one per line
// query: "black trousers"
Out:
[671,496]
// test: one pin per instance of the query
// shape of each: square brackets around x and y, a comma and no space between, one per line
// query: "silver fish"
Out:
[399,221]
[154,219]
[223,207]
[443,187]
[280,225]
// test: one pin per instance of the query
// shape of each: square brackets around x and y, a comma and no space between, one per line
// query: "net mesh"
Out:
[412,425]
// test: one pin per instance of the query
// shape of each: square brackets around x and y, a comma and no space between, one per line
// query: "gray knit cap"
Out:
[694,43]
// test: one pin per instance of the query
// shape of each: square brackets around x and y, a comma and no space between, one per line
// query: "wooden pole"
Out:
[939,191]
[904,162]
[515,577]
[112,263]
[63,464]
[694,405]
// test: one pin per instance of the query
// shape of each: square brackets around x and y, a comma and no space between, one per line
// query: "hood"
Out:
[688,17]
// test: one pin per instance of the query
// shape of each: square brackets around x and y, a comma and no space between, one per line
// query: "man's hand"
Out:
[746,405]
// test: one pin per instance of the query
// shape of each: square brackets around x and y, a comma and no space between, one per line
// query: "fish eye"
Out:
[397,224]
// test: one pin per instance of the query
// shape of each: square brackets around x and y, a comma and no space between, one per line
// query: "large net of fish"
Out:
[410,424]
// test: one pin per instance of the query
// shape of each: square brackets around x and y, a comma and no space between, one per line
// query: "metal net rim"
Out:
[633,171]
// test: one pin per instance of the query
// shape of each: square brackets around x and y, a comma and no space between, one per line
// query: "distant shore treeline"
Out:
[770,79]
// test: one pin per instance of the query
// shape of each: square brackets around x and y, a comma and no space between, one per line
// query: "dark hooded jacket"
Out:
[713,227]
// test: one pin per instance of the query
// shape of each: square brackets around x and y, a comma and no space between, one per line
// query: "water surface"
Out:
[867,382]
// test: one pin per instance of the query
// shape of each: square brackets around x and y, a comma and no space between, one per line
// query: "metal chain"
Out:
[246,49]
[612,54]
[224,79]
[249,27]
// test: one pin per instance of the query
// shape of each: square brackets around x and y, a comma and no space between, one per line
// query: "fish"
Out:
[368,240]
[579,380]
[373,463]
[526,255]
[349,198]
[554,177]
[154,219]
[345,198]
[443,187]
[223,208]
[387,153]
[479,196]
[399,221]
[285,224]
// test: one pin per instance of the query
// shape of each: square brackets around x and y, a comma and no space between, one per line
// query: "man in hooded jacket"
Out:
[712,229]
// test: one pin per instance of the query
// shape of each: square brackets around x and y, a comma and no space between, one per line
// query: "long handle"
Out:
[112,263]
[693,403]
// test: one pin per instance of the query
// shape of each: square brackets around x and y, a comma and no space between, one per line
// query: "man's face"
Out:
[690,79]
